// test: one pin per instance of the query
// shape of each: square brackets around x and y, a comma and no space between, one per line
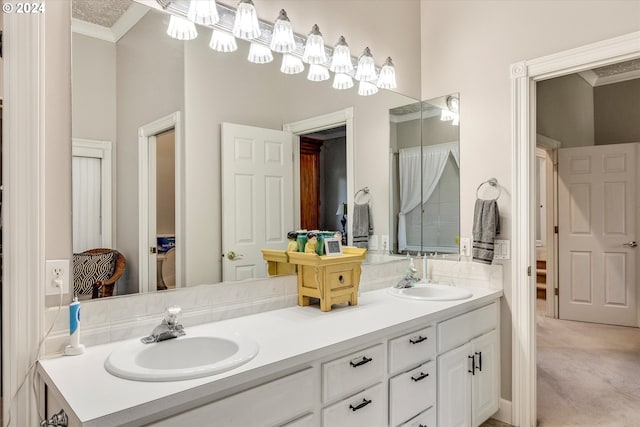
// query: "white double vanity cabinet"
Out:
[385,362]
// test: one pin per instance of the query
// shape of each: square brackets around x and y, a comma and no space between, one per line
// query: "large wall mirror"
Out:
[425,176]
[147,128]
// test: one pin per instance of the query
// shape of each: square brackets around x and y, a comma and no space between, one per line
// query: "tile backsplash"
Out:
[135,315]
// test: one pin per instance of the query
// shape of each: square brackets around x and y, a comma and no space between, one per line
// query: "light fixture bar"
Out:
[181,8]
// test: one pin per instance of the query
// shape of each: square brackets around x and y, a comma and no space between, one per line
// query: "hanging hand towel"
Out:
[486,225]
[362,225]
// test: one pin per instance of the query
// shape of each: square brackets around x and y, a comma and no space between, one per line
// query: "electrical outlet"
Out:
[465,246]
[56,269]
[385,242]
[373,242]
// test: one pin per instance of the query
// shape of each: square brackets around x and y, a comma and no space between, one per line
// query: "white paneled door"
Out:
[597,217]
[257,197]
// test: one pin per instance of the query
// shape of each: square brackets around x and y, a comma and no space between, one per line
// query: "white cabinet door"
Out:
[454,387]
[486,379]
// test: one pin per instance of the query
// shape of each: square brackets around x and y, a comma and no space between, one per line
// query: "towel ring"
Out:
[364,190]
[492,182]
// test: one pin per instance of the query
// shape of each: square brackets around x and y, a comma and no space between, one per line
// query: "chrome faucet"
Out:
[169,327]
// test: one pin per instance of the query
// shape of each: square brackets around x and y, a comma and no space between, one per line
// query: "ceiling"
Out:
[100,12]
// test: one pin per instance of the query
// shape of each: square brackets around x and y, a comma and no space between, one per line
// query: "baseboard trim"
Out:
[504,413]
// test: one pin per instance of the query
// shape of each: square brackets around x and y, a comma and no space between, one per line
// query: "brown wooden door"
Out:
[310,183]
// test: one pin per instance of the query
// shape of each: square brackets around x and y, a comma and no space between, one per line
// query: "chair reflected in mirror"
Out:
[96,271]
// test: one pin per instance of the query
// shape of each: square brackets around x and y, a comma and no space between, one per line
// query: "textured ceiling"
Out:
[613,69]
[101,12]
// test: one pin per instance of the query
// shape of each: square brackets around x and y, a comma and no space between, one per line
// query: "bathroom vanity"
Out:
[385,362]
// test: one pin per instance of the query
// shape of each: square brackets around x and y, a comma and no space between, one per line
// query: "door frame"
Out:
[97,149]
[314,124]
[524,76]
[145,134]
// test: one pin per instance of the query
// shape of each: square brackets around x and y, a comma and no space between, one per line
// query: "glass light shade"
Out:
[246,24]
[283,40]
[314,52]
[342,81]
[181,29]
[203,12]
[387,78]
[453,117]
[318,73]
[366,71]
[367,89]
[222,41]
[259,54]
[291,64]
[341,59]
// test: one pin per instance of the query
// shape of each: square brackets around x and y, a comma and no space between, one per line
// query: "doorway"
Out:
[525,75]
[160,251]
[338,119]
[323,180]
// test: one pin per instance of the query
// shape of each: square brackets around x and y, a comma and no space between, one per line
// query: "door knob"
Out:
[233,256]
[630,244]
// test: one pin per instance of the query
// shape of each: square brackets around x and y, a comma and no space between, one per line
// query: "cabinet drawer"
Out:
[351,373]
[461,329]
[269,404]
[425,419]
[308,420]
[411,349]
[412,392]
[368,408]
[340,276]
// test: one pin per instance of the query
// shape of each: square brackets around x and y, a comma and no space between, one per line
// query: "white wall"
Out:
[617,112]
[565,110]
[467,47]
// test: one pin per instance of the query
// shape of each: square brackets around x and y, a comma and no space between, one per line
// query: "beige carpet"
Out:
[588,374]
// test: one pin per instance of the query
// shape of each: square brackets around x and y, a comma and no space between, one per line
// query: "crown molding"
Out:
[128,19]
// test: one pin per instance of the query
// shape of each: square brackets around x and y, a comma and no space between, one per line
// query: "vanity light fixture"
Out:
[291,64]
[246,25]
[451,111]
[342,81]
[181,29]
[203,12]
[318,73]
[367,89]
[282,40]
[221,41]
[366,71]
[259,54]
[243,22]
[314,52]
[387,78]
[341,59]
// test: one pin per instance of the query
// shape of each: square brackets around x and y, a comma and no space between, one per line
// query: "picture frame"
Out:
[333,246]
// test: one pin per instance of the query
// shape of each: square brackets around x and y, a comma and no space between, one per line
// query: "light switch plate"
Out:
[465,246]
[385,242]
[501,249]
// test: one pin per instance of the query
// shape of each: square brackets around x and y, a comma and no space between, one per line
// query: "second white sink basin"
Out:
[431,292]
[180,358]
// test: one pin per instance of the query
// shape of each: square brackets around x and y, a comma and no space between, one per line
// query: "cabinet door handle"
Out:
[417,340]
[479,353]
[422,425]
[473,365]
[420,377]
[364,403]
[362,361]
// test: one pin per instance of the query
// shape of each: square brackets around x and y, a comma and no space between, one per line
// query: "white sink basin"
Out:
[431,292]
[180,358]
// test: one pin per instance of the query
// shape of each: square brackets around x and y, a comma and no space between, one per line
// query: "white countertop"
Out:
[288,338]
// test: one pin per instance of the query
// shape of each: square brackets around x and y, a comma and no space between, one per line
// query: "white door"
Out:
[485,390]
[257,197]
[454,387]
[597,229]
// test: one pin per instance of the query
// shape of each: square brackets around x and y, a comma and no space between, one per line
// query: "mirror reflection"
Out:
[425,176]
[148,115]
